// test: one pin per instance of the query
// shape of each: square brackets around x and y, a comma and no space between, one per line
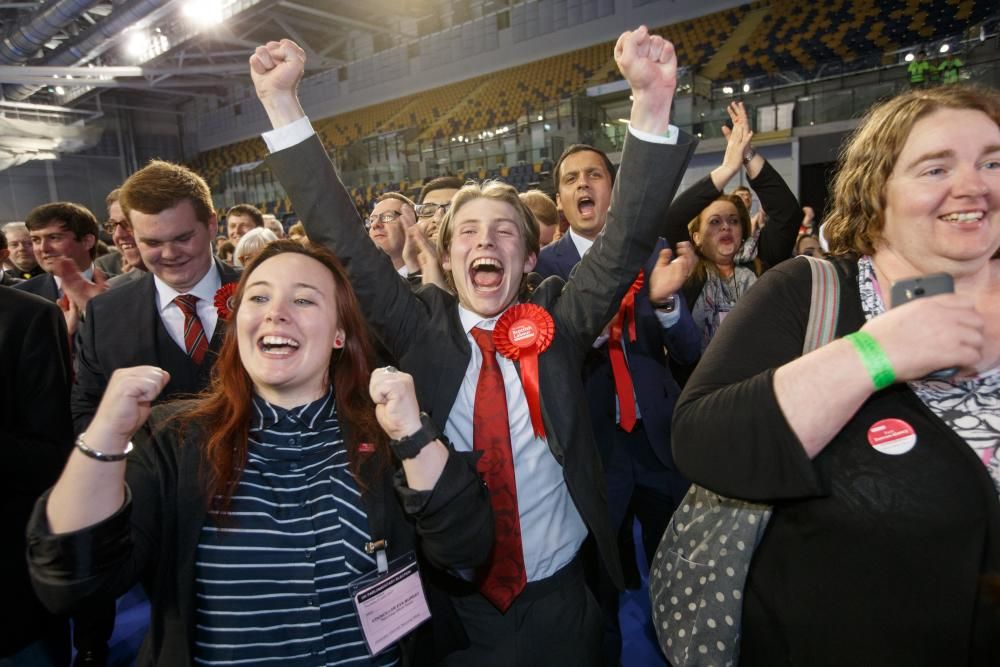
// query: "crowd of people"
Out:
[421,433]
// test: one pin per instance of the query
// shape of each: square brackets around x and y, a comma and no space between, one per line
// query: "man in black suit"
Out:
[487,246]
[143,322]
[22,263]
[37,438]
[64,237]
[6,279]
[634,437]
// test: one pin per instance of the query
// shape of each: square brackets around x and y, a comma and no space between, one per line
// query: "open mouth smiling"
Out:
[486,274]
[277,346]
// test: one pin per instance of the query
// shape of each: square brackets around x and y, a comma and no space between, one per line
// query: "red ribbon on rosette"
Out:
[625,319]
[523,332]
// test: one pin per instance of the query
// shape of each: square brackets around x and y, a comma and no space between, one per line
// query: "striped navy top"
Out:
[272,579]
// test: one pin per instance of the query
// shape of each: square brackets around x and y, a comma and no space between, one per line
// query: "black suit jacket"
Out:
[655,389]
[43,285]
[423,331]
[122,328]
[37,436]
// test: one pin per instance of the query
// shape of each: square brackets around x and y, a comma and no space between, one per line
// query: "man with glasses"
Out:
[435,198]
[127,261]
[387,225]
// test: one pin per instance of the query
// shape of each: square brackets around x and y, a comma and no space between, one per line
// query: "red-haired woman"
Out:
[248,514]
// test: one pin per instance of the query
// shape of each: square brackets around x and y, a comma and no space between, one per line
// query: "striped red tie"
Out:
[504,575]
[194,334]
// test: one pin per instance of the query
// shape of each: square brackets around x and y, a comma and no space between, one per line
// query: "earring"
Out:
[338,342]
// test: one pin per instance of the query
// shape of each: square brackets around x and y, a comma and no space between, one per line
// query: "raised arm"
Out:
[690,203]
[443,492]
[324,204]
[649,175]
[786,407]
[90,490]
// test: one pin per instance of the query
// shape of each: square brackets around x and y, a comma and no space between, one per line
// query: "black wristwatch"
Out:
[410,446]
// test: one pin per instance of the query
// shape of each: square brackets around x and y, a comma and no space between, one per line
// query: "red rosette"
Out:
[523,332]
[224,301]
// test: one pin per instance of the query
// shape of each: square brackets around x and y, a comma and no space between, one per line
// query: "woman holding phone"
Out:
[884,482]
[247,513]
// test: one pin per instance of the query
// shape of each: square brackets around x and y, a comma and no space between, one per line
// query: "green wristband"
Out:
[874,359]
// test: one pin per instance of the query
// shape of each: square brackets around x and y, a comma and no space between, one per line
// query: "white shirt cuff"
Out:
[669,138]
[668,320]
[289,135]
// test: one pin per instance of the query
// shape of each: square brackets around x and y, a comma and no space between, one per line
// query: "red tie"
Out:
[624,320]
[194,334]
[504,577]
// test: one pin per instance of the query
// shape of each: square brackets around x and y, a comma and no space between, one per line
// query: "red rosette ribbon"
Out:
[224,301]
[624,320]
[521,334]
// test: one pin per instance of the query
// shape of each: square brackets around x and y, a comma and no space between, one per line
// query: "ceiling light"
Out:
[203,12]
[909,57]
[137,43]
[944,48]
[746,87]
[60,90]
[728,90]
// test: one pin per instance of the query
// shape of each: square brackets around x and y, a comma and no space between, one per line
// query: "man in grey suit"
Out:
[545,615]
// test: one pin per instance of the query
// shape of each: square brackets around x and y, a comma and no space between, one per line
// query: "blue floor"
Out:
[639,645]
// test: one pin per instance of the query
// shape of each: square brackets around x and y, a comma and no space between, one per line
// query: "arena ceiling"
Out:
[163,53]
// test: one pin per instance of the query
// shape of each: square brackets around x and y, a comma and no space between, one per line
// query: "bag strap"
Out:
[824,307]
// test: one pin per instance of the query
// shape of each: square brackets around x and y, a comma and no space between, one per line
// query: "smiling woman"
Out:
[270,494]
[884,478]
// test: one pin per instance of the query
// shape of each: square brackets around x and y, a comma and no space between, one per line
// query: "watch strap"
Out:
[411,445]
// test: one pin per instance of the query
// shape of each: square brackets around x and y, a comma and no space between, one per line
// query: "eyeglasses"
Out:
[109,225]
[427,210]
[384,218]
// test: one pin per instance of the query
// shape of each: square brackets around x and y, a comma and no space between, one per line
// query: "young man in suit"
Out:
[64,238]
[530,605]
[632,431]
[144,321]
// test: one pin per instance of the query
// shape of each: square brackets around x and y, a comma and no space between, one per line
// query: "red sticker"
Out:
[892,436]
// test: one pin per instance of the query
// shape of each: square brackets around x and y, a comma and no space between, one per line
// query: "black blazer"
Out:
[37,436]
[655,388]
[122,328]
[423,331]
[43,285]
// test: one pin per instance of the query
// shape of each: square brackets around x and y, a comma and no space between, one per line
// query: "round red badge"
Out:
[892,436]
[523,333]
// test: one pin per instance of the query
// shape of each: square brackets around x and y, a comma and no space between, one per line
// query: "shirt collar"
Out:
[265,415]
[582,244]
[205,289]
[471,320]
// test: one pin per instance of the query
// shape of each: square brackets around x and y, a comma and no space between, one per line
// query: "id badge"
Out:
[390,605]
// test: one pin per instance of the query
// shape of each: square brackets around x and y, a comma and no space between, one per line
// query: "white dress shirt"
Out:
[173,316]
[551,527]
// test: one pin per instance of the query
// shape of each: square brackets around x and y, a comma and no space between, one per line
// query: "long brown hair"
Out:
[223,411]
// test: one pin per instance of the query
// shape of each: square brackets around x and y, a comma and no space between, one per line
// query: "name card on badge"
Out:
[390,605]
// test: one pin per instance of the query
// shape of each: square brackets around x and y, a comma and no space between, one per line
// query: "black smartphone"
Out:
[908,289]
